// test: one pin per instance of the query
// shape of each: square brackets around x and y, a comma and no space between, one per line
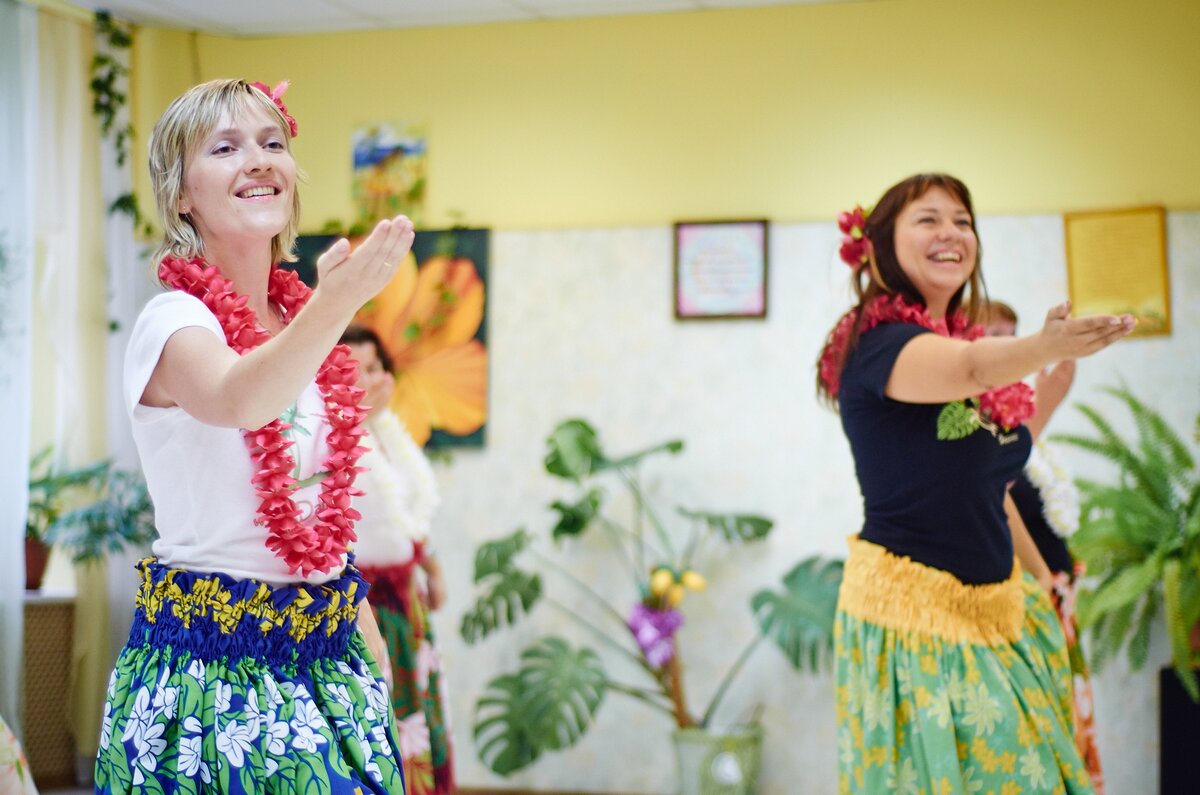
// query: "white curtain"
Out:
[18,119]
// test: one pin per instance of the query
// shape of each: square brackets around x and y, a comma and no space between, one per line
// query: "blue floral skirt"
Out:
[950,688]
[238,686]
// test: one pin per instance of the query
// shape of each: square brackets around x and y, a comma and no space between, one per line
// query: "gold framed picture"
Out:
[1117,264]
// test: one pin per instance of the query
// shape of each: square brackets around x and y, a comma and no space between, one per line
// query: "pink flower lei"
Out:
[1007,406]
[306,548]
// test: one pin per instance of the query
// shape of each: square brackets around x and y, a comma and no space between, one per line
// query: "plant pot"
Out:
[1179,730]
[37,555]
[718,763]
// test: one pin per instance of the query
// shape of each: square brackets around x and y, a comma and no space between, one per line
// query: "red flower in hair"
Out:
[856,246]
[276,95]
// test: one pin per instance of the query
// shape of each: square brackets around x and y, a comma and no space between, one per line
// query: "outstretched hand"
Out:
[1074,337]
[358,276]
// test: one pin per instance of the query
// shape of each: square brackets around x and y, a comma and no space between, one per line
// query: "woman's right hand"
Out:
[356,277]
[1067,337]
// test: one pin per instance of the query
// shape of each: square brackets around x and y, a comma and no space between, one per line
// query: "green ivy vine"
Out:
[109,78]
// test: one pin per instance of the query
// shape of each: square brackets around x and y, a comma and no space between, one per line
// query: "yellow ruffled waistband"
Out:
[898,593]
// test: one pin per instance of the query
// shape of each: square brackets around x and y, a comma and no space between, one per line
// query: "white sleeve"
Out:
[163,316]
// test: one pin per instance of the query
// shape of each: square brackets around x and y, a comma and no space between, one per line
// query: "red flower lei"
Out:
[1007,406]
[306,548]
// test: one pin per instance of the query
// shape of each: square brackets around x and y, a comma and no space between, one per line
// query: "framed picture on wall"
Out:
[720,269]
[1117,264]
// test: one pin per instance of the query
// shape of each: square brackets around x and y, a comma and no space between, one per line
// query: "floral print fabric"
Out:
[919,713]
[15,778]
[201,715]
[402,611]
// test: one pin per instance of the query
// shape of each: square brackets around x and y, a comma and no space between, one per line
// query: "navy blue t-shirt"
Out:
[940,503]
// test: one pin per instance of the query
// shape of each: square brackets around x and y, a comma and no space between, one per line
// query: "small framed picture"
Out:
[720,269]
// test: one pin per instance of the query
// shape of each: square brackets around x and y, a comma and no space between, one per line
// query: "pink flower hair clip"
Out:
[276,95]
[856,246]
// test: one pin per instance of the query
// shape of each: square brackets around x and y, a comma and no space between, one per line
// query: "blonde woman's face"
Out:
[240,181]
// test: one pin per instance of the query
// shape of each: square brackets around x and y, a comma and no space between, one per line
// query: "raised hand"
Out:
[1069,337]
[358,276]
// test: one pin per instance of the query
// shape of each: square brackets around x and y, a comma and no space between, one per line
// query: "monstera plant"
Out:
[553,698]
[1140,538]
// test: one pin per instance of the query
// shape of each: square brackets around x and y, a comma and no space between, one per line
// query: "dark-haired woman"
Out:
[952,670]
[394,555]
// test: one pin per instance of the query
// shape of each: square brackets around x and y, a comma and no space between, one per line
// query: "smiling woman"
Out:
[937,627]
[249,653]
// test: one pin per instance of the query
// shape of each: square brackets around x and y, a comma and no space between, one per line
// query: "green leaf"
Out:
[494,557]
[513,594]
[548,705]
[1139,641]
[957,420]
[574,518]
[503,733]
[1121,588]
[733,526]
[800,620]
[1177,628]
[574,450]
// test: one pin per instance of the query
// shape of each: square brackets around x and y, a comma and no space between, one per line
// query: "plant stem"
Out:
[674,670]
[616,531]
[583,586]
[728,679]
[645,696]
[604,636]
[643,505]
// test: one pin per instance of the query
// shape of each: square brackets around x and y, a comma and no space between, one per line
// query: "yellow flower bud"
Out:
[674,595]
[693,580]
[661,580]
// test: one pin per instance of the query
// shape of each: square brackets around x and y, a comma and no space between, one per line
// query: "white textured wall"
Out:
[580,324]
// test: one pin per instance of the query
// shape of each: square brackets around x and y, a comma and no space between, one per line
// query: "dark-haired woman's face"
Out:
[936,246]
[377,381]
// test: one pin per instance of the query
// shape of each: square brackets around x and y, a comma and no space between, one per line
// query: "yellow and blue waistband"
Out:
[213,615]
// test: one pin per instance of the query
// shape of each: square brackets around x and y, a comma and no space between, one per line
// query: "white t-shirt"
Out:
[400,494]
[199,475]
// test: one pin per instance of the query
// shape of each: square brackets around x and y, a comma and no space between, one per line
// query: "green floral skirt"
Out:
[947,689]
[237,686]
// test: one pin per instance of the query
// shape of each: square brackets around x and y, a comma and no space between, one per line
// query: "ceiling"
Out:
[286,17]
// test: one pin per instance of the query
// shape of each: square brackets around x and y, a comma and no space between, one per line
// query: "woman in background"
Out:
[15,778]
[245,670]
[394,555]
[1048,506]
[951,667]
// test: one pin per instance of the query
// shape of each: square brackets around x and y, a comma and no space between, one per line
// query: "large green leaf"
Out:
[800,620]
[513,594]
[504,733]
[1156,433]
[548,705]
[493,557]
[574,518]
[574,450]
[733,526]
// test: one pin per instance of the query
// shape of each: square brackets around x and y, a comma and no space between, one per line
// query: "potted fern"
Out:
[1140,538]
[89,511]
[552,700]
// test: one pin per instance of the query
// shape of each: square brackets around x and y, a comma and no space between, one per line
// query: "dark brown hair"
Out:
[358,335]
[884,276]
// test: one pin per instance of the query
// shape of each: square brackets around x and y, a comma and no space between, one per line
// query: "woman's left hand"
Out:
[435,584]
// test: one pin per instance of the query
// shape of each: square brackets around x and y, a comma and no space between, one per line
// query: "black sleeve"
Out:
[876,353]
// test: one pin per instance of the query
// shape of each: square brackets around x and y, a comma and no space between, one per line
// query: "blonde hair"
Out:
[186,122]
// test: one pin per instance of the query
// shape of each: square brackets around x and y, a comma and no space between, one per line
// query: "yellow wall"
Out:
[788,112]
